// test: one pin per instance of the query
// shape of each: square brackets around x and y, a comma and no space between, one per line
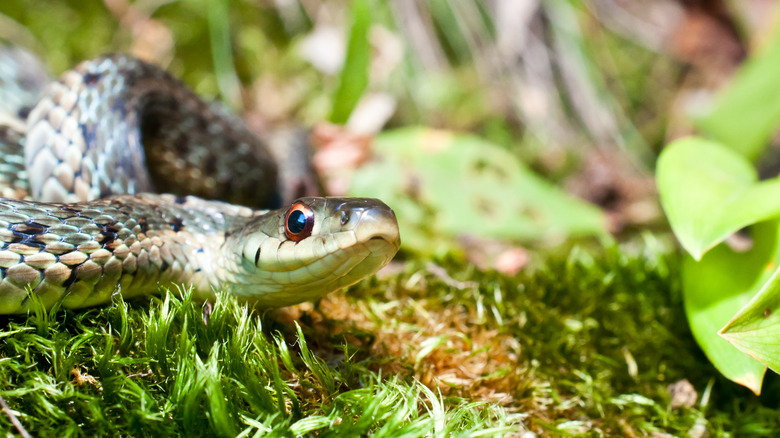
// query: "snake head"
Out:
[313,247]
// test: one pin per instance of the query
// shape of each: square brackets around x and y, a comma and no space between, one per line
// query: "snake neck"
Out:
[203,230]
[105,121]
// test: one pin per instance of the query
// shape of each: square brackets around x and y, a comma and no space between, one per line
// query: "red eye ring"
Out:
[298,222]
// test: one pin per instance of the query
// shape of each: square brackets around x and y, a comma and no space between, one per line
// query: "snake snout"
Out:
[378,223]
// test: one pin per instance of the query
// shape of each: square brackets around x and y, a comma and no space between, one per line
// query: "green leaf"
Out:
[723,281]
[443,185]
[755,329]
[354,75]
[709,192]
[748,113]
[222,52]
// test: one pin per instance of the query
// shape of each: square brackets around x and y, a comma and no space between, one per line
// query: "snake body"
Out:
[85,226]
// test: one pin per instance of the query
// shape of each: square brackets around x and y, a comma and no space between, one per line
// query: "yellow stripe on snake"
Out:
[84,157]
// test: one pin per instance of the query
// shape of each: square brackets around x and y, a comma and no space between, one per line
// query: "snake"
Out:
[116,178]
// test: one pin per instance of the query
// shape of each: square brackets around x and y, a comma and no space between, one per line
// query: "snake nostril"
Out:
[257,256]
[344,217]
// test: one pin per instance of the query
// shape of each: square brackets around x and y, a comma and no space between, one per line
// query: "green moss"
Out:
[157,368]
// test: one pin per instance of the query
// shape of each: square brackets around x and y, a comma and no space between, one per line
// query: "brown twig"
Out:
[15,421]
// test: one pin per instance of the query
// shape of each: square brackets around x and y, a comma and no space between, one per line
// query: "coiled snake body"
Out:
[85,226]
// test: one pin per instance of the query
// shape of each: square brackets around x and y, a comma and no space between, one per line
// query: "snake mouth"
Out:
[393,242]
[381,246]
[378,225]
[384,244]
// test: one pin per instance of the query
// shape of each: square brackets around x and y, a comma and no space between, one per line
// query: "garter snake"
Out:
[84,156]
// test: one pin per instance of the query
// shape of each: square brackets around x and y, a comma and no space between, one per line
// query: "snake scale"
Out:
[81,158]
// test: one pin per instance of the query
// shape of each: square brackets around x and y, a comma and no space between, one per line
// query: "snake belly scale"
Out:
[84,157]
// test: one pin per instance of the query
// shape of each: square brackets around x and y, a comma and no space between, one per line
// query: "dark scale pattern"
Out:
[191,147]
[139,129]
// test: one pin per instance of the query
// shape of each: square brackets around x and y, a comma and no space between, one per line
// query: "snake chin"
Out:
[356,264]
[377,260]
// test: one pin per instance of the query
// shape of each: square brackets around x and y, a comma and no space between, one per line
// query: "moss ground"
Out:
[586,344]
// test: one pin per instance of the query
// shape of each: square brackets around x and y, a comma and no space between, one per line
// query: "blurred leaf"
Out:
[452,28]
[755,329]
[715,287]
[354,75]
[709,192]
[748,113]
[443,185]
[222,52]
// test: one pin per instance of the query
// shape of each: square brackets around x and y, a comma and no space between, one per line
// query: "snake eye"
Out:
[298,222]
